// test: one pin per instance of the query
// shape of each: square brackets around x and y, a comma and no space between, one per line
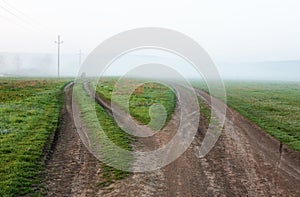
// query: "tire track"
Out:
[71,169]
[259,166]
[244,162]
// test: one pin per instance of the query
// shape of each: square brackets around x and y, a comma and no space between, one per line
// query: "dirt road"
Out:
[251,161]
[244,162]
[71,169]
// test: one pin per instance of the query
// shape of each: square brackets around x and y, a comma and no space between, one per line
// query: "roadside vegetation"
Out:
[273,106]
[29,113]
[109,131]
[142,98]
[140,102]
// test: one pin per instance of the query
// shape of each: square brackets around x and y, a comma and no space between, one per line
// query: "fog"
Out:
[45,65]
[265,70]
[253,40]
[37,65]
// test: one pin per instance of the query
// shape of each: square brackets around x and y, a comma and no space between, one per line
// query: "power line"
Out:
[58,42]
[11,21]
[29,19]
[15,15]
[12,11]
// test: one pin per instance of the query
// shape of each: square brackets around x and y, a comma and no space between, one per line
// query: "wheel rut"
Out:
[71,169]
[244,162]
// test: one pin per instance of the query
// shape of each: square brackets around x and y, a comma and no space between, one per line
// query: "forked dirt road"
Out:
[244,162]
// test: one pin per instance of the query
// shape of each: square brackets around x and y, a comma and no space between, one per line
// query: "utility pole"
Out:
[58,42]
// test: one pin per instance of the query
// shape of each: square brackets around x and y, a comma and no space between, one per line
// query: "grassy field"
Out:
[98,135]
[29,113]
[141,101]
[139,106]
[274,106]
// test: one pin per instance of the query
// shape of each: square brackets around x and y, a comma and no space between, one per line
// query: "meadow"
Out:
[30,110]
[29,113]
[273,106]
[139,105]
[142,99]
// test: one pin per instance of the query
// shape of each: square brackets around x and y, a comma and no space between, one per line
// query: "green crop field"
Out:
[140,102]
[29,113]
[274,106]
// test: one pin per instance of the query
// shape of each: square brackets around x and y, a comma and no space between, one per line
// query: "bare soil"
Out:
[244,162]
[71,169]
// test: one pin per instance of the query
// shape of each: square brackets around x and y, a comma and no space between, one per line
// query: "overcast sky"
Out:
[230,30]
[236,33]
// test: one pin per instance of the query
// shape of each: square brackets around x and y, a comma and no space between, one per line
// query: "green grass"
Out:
[205,109]
[109,132]
[274,106]
[29,114]
[139,108]
[140,102]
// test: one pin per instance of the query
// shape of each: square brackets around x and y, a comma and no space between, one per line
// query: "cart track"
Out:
[244,162]
[71,169]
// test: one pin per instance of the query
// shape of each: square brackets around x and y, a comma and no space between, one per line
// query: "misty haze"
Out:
[150,98]
[45,65]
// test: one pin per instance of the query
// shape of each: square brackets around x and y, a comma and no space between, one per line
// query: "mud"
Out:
[244,162]
[71,169]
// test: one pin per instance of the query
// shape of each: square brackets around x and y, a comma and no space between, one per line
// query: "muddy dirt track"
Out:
[244,162]
[71,169]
